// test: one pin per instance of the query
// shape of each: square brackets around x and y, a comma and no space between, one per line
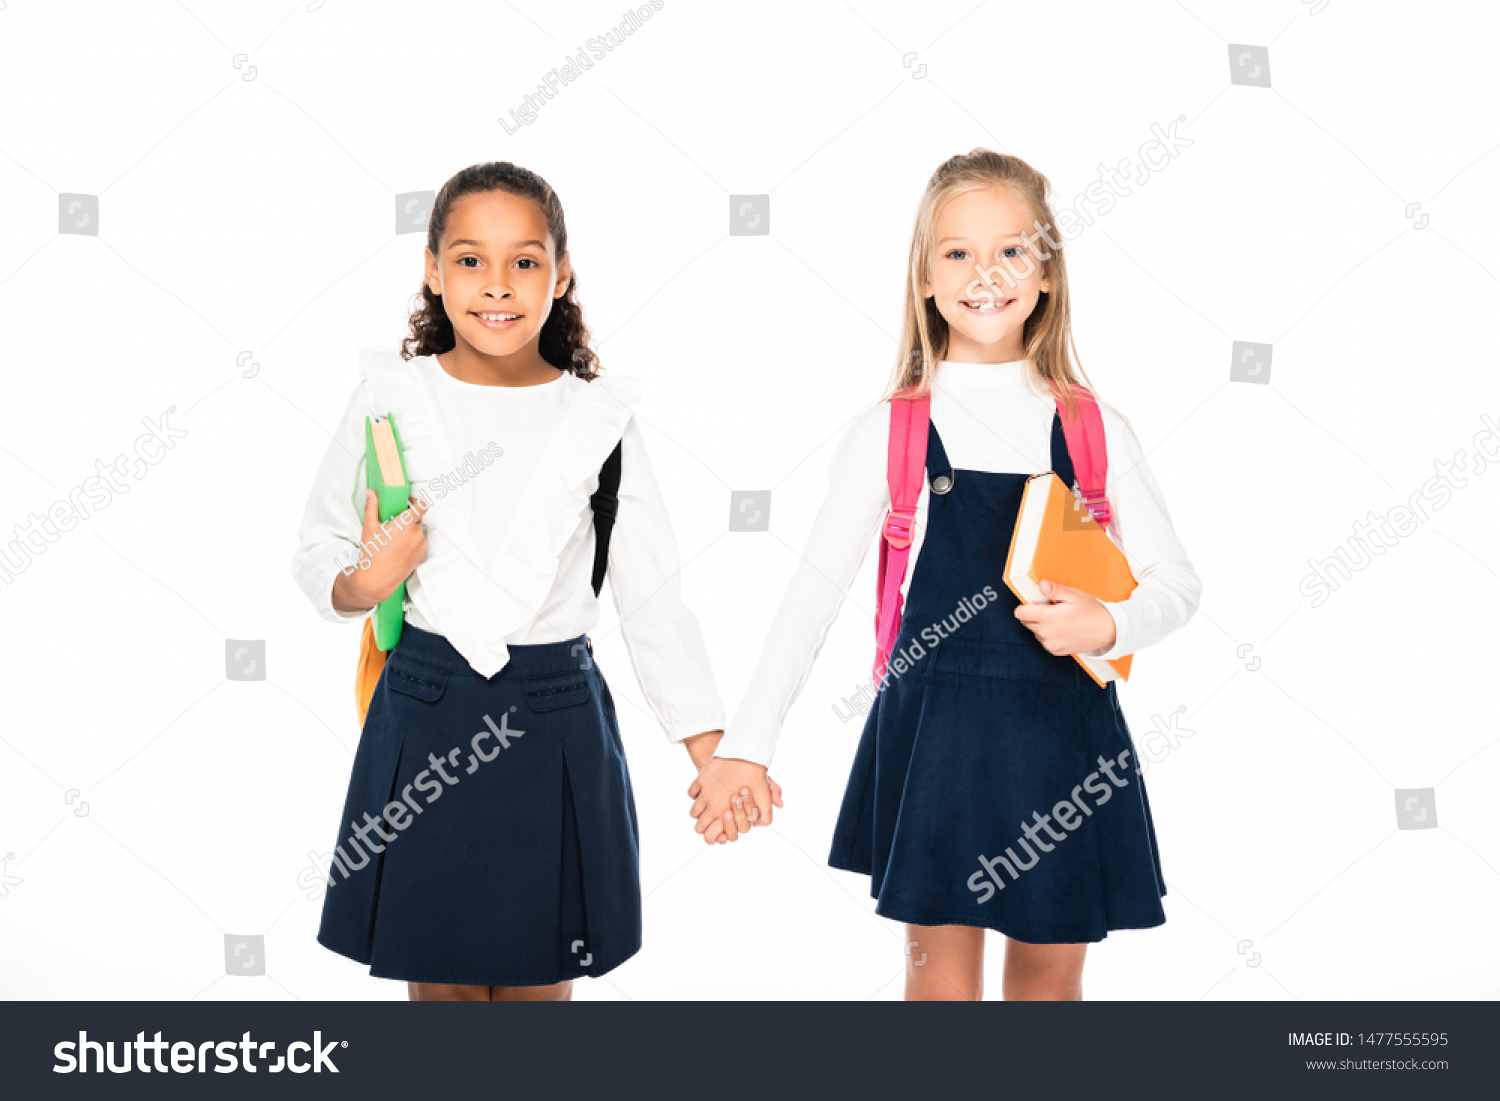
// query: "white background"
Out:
[256,215]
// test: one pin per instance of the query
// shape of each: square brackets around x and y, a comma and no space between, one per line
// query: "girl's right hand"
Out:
[405,544]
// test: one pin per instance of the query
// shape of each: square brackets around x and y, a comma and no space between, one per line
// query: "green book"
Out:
[385,473]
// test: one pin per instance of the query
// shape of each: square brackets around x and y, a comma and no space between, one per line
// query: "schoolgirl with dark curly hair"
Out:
[488,847]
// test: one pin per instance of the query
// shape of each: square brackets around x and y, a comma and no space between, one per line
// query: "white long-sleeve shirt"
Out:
[989,419]
[510,539]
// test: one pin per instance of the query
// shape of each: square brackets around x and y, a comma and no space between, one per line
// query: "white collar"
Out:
[981,376]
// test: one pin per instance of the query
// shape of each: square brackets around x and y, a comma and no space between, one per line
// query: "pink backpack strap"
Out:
[906,459]
[1085,438]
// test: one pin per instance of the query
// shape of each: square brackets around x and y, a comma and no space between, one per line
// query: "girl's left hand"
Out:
[725,793]
[1074,624]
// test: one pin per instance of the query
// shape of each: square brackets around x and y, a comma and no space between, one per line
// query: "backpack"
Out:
[605,503]
[906,459]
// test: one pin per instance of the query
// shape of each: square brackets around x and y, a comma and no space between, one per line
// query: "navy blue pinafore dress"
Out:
[489,836]
[995,784]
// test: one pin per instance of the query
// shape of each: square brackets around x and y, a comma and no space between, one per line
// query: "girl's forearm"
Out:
[701,747]
[347,597]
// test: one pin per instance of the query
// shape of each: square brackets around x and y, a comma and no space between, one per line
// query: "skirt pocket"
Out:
[415,679]
[558,690]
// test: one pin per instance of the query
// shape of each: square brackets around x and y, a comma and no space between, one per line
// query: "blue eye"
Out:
[1013,252]
[957,254]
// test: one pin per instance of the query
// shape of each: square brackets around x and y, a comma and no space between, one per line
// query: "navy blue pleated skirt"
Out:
[995,784]
[489,835]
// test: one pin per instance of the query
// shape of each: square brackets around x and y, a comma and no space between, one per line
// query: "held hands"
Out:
[728,793]
[383,567]
[1074,623]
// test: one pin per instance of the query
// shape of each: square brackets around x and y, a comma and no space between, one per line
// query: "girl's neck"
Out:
[963,350]
[525,368]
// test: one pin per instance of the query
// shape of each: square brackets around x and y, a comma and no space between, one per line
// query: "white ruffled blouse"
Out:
[510,543]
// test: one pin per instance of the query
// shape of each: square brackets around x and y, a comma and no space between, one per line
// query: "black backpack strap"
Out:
[605,503]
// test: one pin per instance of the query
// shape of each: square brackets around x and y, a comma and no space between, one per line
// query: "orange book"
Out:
[1055,539]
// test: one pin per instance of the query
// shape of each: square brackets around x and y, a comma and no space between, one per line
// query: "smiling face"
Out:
[497,274]
[983,278]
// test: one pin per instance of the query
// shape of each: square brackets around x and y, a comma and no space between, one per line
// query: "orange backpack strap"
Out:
[367,673]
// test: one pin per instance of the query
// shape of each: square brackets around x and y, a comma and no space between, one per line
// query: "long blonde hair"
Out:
[1048,333]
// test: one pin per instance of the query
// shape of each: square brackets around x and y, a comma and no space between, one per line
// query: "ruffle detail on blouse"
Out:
[478,602]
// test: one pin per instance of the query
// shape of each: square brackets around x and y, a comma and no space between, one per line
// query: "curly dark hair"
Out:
[564,341]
